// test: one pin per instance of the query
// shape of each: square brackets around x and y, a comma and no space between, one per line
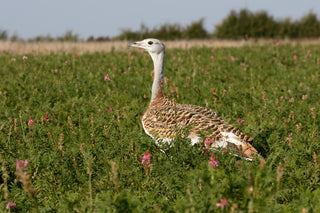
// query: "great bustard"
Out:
[163,116]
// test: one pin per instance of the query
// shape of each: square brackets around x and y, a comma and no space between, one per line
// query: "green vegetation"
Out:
[85,143]
[246,24]
[167,32]
[237,25]
[68,36]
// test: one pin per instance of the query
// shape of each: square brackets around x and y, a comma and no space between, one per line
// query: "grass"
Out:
[79,47]
[87,156]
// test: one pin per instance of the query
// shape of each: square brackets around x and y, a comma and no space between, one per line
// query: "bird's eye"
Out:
[150,42]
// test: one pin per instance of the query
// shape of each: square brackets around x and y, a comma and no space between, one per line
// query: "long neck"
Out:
[157,86]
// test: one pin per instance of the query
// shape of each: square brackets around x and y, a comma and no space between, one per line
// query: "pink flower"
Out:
[278,43]
[10,205]
[304,97]
[47,117]
[214,92]
[208,142]
[146,160]
[129,68]
[23,176]
[30,122]
[308,52]
[24,57]
[223,203]
[13,59]
[56,70]
[295,57]
[212,161]
[212,57]
[132,57]
[240,121]
[165,80]
[232,58]
[106,78]
[21,164]
[110,109]
[207,151]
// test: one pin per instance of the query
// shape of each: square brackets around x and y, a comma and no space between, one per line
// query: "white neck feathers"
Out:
[157,86]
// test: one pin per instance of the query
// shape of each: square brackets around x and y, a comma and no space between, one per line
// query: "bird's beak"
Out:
[136,44]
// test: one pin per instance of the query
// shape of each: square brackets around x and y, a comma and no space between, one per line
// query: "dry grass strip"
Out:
[21,47]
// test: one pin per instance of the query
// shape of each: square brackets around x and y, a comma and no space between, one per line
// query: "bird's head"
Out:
[153,46]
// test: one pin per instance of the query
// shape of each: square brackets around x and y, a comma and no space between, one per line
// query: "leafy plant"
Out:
[85,145]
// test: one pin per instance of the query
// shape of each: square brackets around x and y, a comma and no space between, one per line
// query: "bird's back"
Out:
[165,118]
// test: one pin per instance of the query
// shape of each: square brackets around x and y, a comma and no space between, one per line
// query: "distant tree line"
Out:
[67,36]
[167,31]
[246,24]
[237,25]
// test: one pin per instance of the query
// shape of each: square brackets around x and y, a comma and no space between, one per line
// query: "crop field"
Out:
[71,138]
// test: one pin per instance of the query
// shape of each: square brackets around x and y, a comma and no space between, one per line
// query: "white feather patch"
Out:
[229,137]
[194,139]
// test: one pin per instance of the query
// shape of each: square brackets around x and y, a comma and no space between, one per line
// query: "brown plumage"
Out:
[165,118]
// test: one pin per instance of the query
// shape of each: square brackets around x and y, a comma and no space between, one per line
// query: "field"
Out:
[21,47]
[71,139]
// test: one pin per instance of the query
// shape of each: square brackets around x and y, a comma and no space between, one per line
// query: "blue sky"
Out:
[106,18]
